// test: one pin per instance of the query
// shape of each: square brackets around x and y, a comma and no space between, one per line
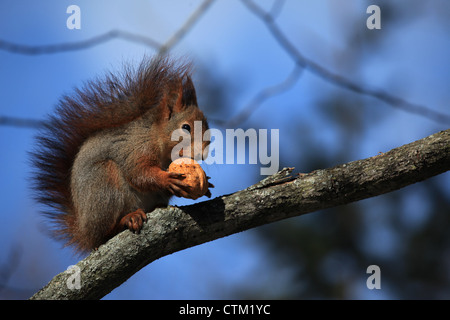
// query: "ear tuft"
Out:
[179,103]
[189,95]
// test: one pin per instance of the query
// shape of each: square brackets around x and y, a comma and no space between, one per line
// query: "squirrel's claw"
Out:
[134,220]
[210,185]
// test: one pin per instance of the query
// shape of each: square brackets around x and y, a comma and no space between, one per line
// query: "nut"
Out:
[195,176]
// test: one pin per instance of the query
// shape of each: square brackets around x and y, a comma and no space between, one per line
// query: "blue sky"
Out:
[411,61]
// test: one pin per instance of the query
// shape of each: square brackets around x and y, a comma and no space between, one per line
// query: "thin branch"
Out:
[275,198]
[263,95]
[77,45]
[178,35]
[21,122]
[8,268]
[336,79]
[276,8]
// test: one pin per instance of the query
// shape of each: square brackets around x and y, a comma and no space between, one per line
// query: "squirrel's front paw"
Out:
[176,186]
[134,220]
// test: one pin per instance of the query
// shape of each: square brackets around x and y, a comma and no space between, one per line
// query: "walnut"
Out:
[195,176]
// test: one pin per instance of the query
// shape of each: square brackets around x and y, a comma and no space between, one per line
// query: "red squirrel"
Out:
[101,162]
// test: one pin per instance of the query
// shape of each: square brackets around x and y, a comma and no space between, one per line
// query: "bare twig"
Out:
[21,122]
[77,45]
[336,79]
[263,95]
[180,33]
[8,268]
[276,8]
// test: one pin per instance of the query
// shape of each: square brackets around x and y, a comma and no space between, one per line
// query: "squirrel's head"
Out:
[182,122]
[188,134]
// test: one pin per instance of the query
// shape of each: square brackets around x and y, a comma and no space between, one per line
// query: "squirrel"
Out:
[101,161]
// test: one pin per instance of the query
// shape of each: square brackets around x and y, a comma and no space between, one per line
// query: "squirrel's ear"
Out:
[164,108]
[189,95]
[179,105]
[186,95]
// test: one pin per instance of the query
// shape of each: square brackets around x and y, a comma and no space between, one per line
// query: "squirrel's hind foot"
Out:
[134,220]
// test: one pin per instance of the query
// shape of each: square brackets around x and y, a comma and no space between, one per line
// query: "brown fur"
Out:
[101,159]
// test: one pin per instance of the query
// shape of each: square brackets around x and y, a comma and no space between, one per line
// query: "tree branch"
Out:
[275,198]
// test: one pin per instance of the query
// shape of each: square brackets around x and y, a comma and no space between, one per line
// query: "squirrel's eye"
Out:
[186,127]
